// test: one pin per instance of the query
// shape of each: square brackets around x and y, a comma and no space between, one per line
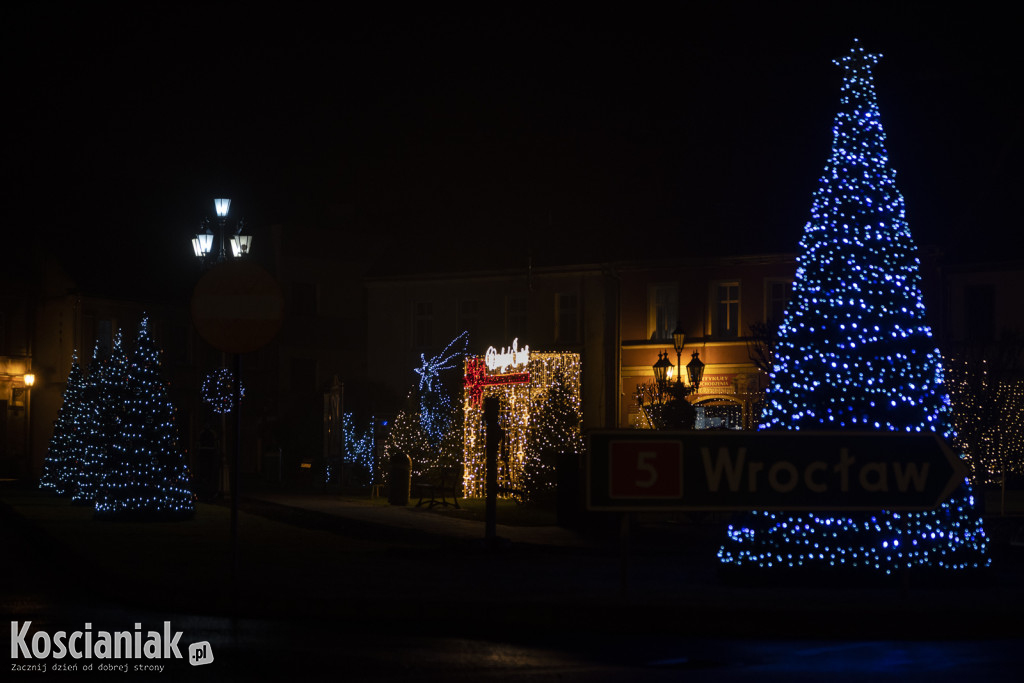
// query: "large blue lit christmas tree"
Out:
[67,444]
[146,476]
[854,352]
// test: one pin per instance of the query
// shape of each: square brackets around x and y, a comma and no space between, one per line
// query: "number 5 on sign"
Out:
[645,461]
[648,469]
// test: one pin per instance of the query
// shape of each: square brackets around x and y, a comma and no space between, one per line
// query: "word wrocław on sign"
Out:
[632,470]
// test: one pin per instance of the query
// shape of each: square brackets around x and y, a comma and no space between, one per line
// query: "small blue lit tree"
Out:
[146,476]
[854,352]
[67,444]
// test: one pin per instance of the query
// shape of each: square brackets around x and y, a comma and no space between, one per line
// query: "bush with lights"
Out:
[358,448]
[854,353]
[65,452]
[146,476]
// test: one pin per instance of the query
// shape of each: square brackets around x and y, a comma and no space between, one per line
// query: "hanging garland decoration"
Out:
[219,390]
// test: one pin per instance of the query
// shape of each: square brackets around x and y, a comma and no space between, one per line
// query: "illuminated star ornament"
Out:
[435,406]
[431,368]
[855,352]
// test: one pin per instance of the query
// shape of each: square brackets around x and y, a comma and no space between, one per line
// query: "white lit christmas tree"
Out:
[554,431]
[103,401]
[146,476]
[854,352]
[67,444]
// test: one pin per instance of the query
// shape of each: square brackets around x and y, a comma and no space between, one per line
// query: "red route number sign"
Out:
[645,469]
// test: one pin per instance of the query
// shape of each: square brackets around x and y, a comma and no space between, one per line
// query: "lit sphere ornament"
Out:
[219,390]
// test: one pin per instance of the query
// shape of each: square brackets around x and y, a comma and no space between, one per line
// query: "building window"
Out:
[469,317]
[662,310]
[422,324]
[980,312]
[515,317]
[567,318]
[725,309]
[777,296]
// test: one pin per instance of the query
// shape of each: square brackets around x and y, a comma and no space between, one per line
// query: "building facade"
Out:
[551,309]
[617,316]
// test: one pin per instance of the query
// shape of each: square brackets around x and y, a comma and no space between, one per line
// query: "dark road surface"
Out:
[40,586]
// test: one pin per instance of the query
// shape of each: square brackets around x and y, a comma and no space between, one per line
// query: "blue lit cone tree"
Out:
[146,477]
[67,443]
[102,402]
[854,352]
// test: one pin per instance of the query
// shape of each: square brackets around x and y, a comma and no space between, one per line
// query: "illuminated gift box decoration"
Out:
[522,381]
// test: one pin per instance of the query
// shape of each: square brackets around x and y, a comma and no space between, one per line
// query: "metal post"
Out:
[624,554]
[491,409]
[234,479]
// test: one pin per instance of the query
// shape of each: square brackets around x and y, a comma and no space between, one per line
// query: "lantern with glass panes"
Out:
[210,243]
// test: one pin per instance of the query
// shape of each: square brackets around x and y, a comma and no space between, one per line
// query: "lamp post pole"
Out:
[661,370]
[695,369]
[678,340]
[202,245]
[29,380]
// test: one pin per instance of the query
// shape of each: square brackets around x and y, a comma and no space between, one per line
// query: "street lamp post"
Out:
[661,372]
[678,339]
[203,246]
[695,371]
[235,235]
[29,381]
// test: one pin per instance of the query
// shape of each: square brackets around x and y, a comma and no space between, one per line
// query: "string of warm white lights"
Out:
[988,414]
[854,352]
[554,378]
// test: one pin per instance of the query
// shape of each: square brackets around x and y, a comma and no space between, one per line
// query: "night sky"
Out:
[449,137]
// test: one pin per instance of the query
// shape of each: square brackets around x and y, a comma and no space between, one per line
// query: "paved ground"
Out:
[419,519]
[333,588]
[316,556]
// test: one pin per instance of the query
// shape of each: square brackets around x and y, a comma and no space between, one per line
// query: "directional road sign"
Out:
[635,470]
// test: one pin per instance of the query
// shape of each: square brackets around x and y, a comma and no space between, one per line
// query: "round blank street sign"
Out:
[237,307]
